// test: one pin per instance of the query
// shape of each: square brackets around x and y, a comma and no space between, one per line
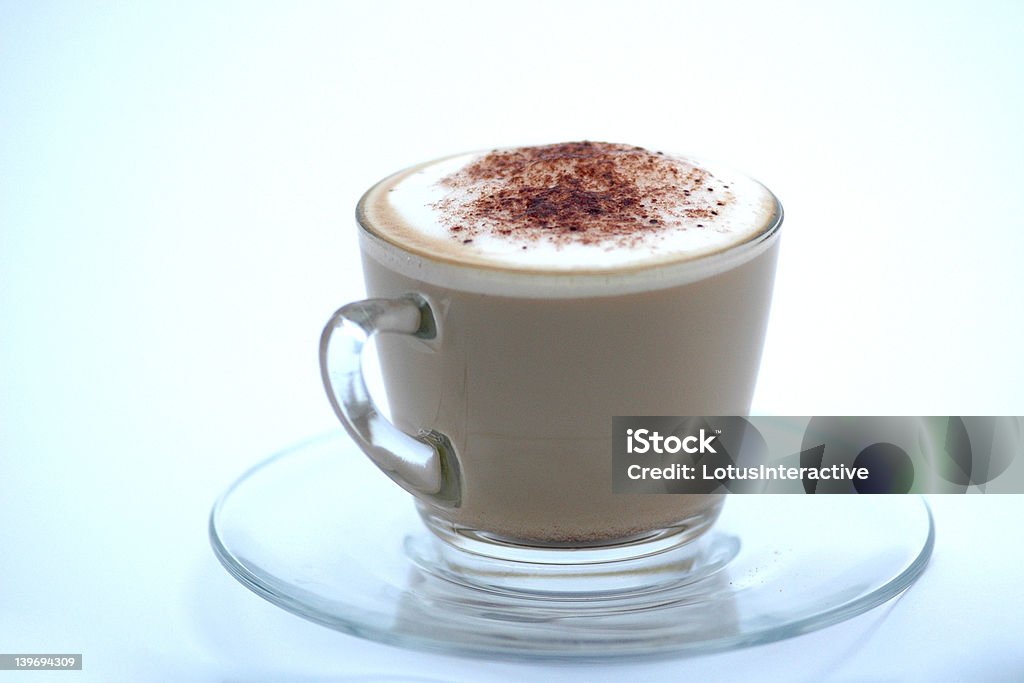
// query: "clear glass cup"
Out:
[502,385]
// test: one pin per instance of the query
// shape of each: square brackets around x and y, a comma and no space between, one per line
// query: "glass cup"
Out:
[502,385]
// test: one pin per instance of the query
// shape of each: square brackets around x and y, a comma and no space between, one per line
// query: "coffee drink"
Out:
[567,284]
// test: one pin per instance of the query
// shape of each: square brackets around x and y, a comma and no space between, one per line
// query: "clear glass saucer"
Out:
[319,531]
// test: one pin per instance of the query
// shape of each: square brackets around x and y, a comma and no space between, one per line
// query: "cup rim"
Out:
[667,271]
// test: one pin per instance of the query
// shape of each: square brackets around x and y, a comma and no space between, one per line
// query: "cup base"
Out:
[652,562]
[318,531]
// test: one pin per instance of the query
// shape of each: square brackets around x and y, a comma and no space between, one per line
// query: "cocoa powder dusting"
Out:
[577,192]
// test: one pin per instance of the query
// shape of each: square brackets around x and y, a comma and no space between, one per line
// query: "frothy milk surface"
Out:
[581,207]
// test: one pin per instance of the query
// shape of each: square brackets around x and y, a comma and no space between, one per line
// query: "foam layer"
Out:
[571,207]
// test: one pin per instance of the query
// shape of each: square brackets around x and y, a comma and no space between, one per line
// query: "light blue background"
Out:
[176,194]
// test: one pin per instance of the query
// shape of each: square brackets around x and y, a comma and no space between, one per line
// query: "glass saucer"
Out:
[319,531]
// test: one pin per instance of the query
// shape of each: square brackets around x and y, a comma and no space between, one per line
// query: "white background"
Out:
[176,194]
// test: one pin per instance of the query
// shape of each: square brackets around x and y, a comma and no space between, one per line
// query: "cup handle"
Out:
[424,464]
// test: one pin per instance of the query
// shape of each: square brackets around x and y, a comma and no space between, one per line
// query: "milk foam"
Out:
[406,209]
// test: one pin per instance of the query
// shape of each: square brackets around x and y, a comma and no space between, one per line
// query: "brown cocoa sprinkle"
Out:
[574,192]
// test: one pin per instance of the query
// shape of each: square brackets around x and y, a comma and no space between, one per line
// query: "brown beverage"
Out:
[568,283]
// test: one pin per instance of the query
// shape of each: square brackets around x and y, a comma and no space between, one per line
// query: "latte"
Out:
[567,284]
